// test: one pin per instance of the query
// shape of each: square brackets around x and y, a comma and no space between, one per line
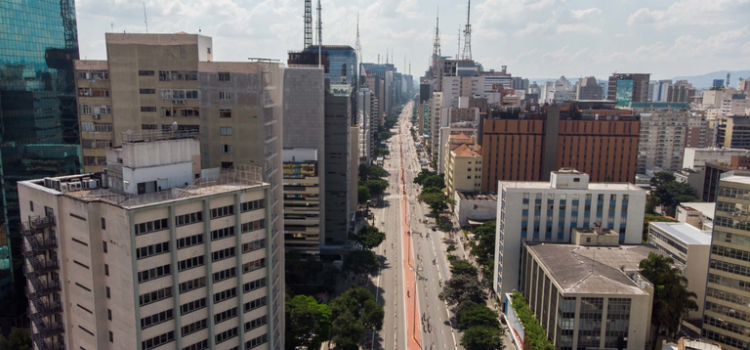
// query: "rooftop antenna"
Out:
[458,52]
[436,44]
[467,34]
[113,26]
[359,50]
[145,19]
[728,75]
[308,24]
[386,55]
[320,36]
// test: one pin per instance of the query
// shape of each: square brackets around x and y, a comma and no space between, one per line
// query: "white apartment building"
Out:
[734,105]
[154,253]
[696,158]
[662,142]
[688,246]
[548,211]
[364,120]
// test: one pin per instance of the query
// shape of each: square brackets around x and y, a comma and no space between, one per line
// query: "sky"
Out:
[534,38]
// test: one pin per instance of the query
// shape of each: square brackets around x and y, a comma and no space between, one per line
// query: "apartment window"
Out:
[227,165]
[155,249]
[158,341]
[107,291]
[147,91]
[253,205]
[222,233]
[254,225]
[258,322]
[203,344]
[223,254]
[223,211]
[154,273]
[101,93]
[164,75]
[226,315]
[146,73]
[111,337]
[194,327]
[166,112]
[104,223]
[254,304]
[155,296]
[256,342]
[192,306]
[223,76]
[226,335]
[104,246]
[224,275]
[225,95]
[84,92]
[226,131]
[82,74]
[227,149]
[151,226]
[155,319]
[85,109]
[106,270]
[149,127]
[225,295]
[189,241]
[253,285]
[192,284]
[188,219]
[190,263]
[187,112]
[253,246]
[109,314]
[253,265]
[102,109]
[31,205]
[225,113]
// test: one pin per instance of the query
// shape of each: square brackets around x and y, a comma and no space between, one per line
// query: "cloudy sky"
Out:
[534,38]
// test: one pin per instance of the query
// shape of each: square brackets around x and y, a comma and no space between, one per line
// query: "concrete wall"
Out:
[481,209]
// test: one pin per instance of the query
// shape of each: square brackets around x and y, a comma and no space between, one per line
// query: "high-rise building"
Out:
[628,88]
[680,93]
[588,89]
[153,251]
[338,61]
[593,139]
[463,165]
[664,131]
[550,211]
[364,120]
[733,132]
[714,170]
[338,165]
[40,124]
[726,297]
[303,207]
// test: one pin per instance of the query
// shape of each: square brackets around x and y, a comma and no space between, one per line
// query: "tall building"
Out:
[680,93]
[303,207]
[338,166]
[549,211]
[339,61]
[664,132]
[733,132]
[366,132]
[40,124]
[153,252]
[600,142]
[463,165]
[727,304]
[658,91]
[588,89]
[696,158]
[712,175]
[628,88]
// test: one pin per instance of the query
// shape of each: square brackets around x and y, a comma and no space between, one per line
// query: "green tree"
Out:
[672,301]
[651,203]
[472,314]
[671,194]
[437,201]
[434,181]
[363,194]
[428,190]
[377,172]
[463,267]
[423,175]
[309,322]
[19,339]
[376,186]
[382,151]
[361,261]
[369,237]
[649,218]
[461,288]
[662,177]
[484,247]
[482,338]
[534,335]
[354,312]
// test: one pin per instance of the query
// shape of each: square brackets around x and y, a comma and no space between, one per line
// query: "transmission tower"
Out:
[320,34]
[436,45]
[467,35]
[308,24]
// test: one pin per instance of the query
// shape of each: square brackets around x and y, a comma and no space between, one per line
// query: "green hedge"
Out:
[534,333]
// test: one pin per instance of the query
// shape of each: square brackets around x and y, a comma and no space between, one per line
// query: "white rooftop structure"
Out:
[685,233]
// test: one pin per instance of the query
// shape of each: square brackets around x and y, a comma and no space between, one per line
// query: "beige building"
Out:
[154,253]
[302,204]
[463,168]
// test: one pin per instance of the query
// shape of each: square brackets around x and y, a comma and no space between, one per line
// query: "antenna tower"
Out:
[145,19]
[320,35]
[728,76]
[308,24]
[358,47]
[458,52]
[436,45]
[467,34]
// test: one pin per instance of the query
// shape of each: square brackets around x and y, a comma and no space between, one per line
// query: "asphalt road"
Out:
[424,248]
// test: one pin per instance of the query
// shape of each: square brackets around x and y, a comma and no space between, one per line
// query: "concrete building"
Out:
[364,120]
[696,158]
[694,178]
[664,131]
[602,304]
[699,134]
[338,165]
[588,89]
[455,122]
[474,208]
[734,104]
[154,253]
[599,142]
[690,247]
[303,210]
[698,214]
[628,88]
[713,171]
[727,304]
[549,211]
[658,91]
[680,93]
[463,169]
[733,132]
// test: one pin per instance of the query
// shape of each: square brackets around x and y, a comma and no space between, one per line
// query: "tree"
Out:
[461,288]
[434,181]
[482,338]
[382,151]
[376,186]
[347,330]
[423,175]
[363,194]
[309,322]
[672,301]
[463,267]
[377,172]
[361,261]
[651,203]
[369,237]
[484,247]
[19,339]
[649,218]
[662,177]
[472,314]
[437,201]
[671,194]
[428,190]
[354,312]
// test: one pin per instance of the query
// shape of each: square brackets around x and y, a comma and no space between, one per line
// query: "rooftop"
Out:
[707,209]
[477,196]
[540,185]
[684,232]
[466,151]
[592,270]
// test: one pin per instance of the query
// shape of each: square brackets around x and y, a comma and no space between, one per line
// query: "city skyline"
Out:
[534,38]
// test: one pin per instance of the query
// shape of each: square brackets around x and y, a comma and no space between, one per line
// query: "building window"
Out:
[191,263]
[108,293]
[224,76]
[111,338]
[109,314]
[31,205]
[106,270]
[225,95]
[147,91]
[104,246]
[226,131]
[104,224]
[227,149]
[192,284]
[146,73]
[149,127]
[227,165]
[225,113]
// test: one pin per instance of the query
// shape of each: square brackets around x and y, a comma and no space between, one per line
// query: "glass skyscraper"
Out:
[38,117]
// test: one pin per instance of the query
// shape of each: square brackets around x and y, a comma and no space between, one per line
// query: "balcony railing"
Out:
[43,287]
[46,327]
[49,308]
[42,267]
[40,245]
[44,344]
[37,223]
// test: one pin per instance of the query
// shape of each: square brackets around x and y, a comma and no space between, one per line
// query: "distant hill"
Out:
[707,80]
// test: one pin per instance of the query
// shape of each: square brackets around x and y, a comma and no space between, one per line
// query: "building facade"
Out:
[143,257]
[303,211]
[696,158]
[549,211]
[589,89]
[338,166]
[664,131]
[727,304]
[733,132]
[463,170]
[628,88]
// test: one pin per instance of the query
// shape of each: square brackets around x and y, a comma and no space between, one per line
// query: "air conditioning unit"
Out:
[74,186]
[91,184]
[64,187]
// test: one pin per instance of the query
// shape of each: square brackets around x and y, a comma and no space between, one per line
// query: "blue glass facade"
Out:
[39,129]
[341,63]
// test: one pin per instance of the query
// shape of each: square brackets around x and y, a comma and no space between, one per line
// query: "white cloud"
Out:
[577,28]
[691,13]
[586,13]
